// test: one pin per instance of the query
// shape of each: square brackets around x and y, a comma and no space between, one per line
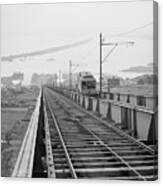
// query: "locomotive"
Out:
[86,84]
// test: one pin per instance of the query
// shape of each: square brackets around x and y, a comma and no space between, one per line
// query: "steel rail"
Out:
[113,152]
[49,154]
[62,141]
[117,130]
[102,141]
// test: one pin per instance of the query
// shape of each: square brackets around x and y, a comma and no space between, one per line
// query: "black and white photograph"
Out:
[79,90]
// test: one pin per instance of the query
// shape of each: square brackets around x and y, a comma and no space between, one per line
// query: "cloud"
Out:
[140,69]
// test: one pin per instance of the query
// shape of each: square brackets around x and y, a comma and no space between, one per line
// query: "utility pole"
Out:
[114,44]
[100,65]
[59,78]
[70,75]
[71,65]
[55,80]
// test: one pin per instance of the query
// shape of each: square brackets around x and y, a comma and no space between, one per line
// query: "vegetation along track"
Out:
[82,147]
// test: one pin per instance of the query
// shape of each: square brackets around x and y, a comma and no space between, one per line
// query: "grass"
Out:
[13,130]
[8,120]
[14,123]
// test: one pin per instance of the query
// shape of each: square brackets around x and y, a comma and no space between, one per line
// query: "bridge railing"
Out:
[139,122]
[24,163]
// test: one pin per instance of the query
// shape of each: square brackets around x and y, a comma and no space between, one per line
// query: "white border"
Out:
[51,182]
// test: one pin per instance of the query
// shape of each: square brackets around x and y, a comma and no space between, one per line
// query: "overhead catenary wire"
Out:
[133,30]
[109,53]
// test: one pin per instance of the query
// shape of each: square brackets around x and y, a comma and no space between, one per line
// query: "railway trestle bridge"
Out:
[67,140]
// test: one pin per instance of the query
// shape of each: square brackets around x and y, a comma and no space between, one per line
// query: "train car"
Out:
[86,84]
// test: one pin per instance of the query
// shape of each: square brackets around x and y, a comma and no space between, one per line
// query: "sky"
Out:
[34,27]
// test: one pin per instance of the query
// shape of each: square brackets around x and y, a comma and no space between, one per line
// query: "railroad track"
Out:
[83,147]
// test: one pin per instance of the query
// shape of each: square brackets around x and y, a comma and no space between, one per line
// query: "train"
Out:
[86,84]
